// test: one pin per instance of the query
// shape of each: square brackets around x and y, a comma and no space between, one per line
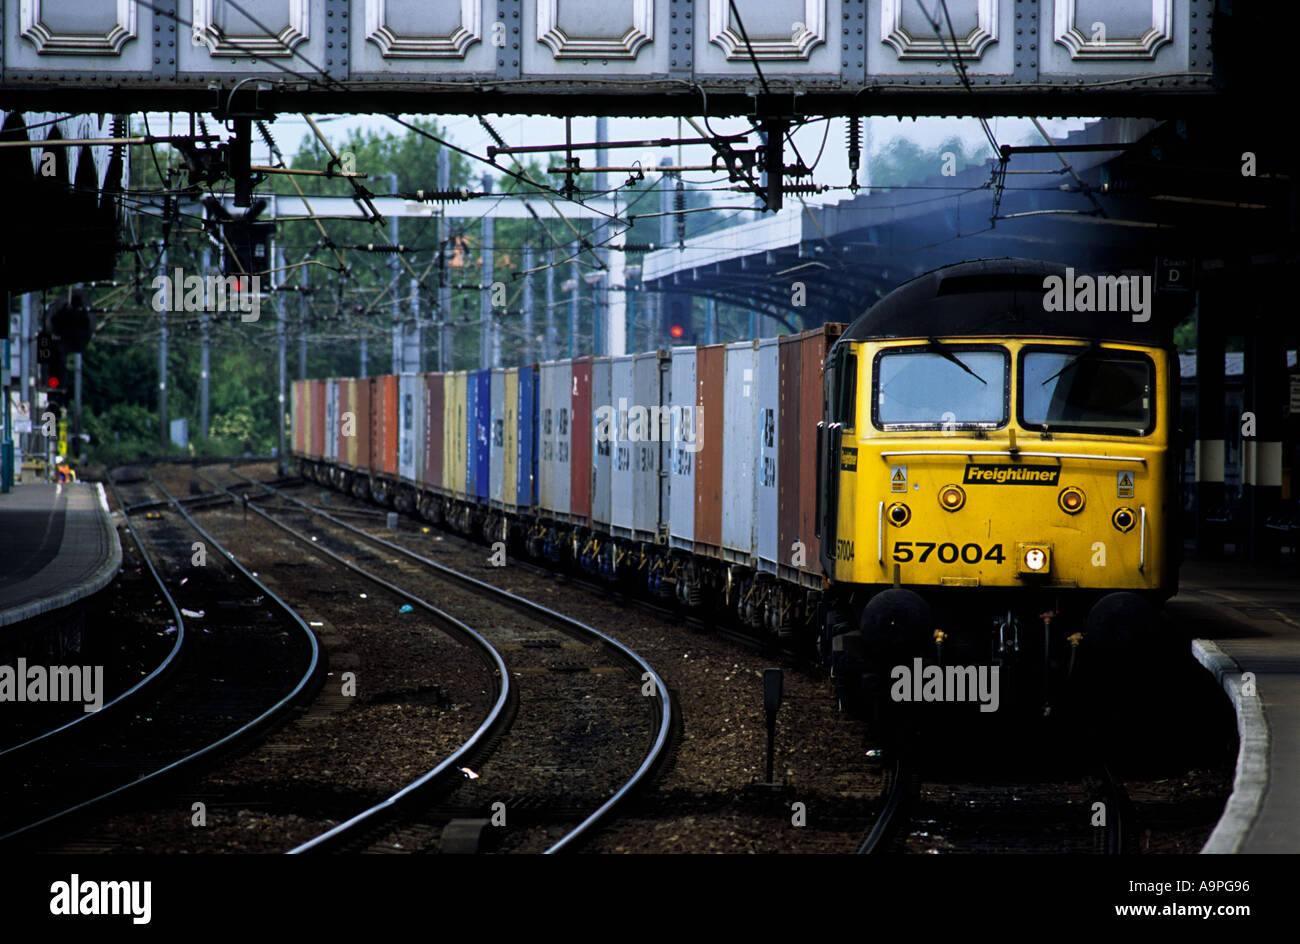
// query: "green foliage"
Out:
[901,162]
[337,303]
[237,424]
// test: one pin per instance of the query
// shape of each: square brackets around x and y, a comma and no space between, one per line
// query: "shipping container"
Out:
[497,439]
[298,418]
[766,455]
[316,422]
[546,437]
[622,395]
[526,467]
[710,371]
[410,435]
[650,446]
[479,405]
[383,425]
[360,430]
[456,428]
[434,398]
[801,359]
[603,428]
[332,421]
[580,436]
[684,447]
[347,440]
[509,436]
[555,402]
[740,400]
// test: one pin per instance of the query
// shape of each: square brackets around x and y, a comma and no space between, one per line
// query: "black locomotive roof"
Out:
[994,297]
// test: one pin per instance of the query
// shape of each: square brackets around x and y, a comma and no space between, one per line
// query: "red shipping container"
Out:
[709,374]
[580,457]
[434,398]
[788,464]
[802,358]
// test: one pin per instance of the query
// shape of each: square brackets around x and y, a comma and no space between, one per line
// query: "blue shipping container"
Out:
[526,467]
[479,395]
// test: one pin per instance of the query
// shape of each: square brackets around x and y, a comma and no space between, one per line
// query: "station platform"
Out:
[1245,622]
[57,545]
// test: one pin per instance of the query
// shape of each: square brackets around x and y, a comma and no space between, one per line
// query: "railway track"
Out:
[902,797]
[930,807]
[554,763]
[242,666]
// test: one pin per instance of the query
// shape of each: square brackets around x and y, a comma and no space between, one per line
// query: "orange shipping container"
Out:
[383,425]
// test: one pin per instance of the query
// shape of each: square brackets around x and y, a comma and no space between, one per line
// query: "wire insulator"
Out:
[441,196]
[679,204]
[270,141]
[855,150]
[501,142]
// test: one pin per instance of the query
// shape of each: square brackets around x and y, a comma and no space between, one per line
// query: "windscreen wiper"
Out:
[937,347]
[1092,348]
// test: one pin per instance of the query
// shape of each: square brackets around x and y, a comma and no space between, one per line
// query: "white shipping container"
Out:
[332,420]
[683,448]
[602,441]
[649,446]
[555,439]
[740,404]
[622,393]
[766,466]
[410,426]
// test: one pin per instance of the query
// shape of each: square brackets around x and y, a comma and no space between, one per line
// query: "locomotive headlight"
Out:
[899,514]
[1071,500]
[1034,558]
[1123,519]
[952,497]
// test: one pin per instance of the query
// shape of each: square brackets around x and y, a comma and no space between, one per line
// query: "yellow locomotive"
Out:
[997,480]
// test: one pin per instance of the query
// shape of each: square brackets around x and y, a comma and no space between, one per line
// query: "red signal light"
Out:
[54,383]
[676,331]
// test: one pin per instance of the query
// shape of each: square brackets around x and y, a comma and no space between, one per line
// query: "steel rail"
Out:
[163,667]
[314,668]
[491,725]
[659,746]
[878,840]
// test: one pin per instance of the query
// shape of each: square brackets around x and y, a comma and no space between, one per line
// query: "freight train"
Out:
[688,472]
[958,475]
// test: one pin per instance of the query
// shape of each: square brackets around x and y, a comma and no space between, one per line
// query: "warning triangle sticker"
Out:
[899,477]
[1125,480]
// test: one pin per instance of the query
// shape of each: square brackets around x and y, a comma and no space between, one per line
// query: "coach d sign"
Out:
[1175,275]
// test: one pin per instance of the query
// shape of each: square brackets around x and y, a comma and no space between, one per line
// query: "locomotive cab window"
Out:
[1087,390]
[846,389]
[940,386]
